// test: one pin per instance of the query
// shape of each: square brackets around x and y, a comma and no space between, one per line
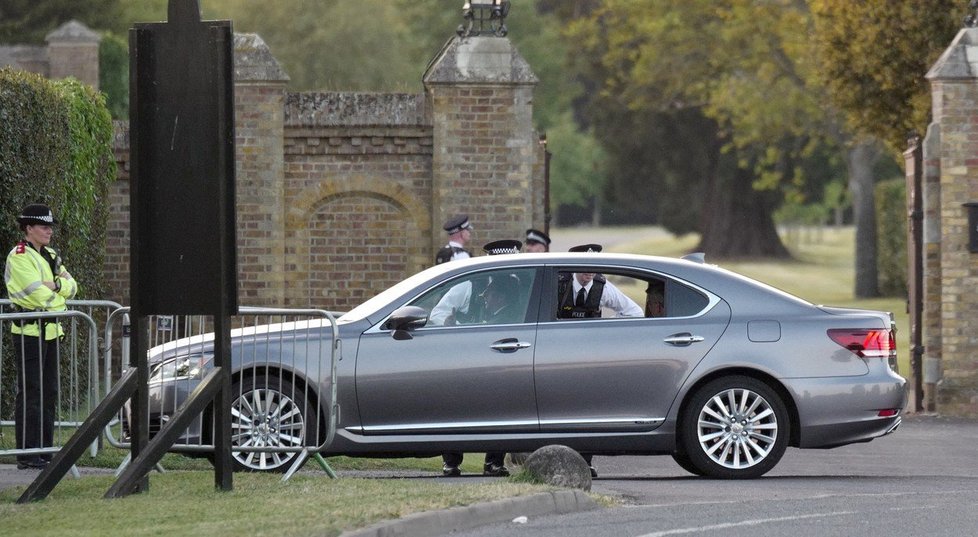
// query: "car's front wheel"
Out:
[268,413]
[734,428]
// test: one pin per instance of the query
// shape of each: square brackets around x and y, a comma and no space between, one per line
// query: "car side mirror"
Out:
[405,319]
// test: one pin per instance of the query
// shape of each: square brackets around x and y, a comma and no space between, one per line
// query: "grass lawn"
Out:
[185,503]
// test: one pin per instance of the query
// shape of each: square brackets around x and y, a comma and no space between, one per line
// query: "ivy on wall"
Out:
[55,148]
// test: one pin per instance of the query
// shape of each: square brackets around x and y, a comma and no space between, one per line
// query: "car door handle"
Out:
[683,339]
[509,345]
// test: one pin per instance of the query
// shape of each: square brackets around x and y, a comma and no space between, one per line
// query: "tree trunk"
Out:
[860,161]
[737,221]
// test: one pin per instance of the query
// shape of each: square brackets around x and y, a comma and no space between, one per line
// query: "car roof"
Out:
[712,278]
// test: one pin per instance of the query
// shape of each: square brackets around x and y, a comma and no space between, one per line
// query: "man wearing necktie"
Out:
[581,295]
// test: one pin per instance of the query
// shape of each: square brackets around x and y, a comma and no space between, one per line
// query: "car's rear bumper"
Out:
[844,410]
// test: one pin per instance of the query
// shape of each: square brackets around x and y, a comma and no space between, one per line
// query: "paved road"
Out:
[922,480]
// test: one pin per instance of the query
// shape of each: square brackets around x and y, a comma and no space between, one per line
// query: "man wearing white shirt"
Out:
[610,297]
[587,293]
[583,295]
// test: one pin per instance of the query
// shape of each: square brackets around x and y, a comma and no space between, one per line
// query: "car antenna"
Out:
[696,257]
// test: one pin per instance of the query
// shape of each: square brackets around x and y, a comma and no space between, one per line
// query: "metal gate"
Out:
[78,388]
[283,396]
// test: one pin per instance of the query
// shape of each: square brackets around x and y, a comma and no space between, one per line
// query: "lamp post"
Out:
[972,19]
[484,18]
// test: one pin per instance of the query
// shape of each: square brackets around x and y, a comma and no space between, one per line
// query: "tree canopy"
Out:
[28,21]
[873,56]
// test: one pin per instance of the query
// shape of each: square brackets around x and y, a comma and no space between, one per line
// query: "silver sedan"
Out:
[659,356]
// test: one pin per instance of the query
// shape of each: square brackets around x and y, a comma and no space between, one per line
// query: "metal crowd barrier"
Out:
[283,387]
[78,379]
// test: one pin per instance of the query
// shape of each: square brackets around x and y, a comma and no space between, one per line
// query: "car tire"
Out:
[734,427]
[268,412]
[682,459]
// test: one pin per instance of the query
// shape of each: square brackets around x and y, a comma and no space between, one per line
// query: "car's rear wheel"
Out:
[734,428]
[268,413]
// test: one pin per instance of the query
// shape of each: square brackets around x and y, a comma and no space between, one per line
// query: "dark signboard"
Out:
[182,252]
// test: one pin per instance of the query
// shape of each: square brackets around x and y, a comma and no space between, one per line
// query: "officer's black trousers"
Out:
[37,393]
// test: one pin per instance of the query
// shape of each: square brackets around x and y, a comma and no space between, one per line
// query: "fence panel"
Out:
[71,387]
[283,395]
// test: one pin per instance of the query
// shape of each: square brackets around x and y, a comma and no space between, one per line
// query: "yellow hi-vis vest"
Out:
[24,274]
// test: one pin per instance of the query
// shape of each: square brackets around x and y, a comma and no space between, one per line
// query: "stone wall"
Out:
[340,195]
[951,271]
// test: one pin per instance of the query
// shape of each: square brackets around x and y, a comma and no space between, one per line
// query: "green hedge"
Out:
[55,148]
[891,228]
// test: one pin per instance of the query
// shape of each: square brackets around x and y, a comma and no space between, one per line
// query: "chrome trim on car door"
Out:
[614,421]
[436,427]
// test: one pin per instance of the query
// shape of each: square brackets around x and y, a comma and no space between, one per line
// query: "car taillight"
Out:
[866,343]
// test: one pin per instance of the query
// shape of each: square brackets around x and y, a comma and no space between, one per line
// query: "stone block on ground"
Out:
[559,466]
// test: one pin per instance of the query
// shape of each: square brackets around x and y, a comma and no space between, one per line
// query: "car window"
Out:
[611,294]
[489,297]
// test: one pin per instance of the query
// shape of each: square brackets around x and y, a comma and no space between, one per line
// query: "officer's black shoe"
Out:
[594,473]
[495,470]
[450,471]
[31,464]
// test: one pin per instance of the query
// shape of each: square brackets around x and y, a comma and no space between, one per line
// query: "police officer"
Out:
[36,280]
[495,461]
[537,241]
[583,294]
[459,231]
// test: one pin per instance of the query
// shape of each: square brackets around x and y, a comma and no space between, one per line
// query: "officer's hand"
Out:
[450,320]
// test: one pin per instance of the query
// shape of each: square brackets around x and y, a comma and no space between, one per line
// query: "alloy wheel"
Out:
[266,418]
[737,428]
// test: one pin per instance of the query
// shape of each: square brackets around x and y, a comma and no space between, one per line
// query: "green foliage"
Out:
[873,55]
[34,144]
[892,231]
[29,21]
[55,148]
[81,195]
[113,76]
[576,168]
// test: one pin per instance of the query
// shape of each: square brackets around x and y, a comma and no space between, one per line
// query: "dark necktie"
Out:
[581,297]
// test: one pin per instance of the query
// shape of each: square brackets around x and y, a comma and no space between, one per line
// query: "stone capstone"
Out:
[560,466]
[480,60]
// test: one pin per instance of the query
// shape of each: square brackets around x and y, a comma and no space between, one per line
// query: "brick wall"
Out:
[341,195]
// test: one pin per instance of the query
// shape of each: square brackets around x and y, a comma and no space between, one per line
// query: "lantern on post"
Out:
[484,18]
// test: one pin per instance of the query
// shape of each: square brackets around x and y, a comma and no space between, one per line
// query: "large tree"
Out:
[743,66]
[872,59]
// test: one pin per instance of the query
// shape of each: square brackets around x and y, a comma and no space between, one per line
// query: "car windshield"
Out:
[384,297]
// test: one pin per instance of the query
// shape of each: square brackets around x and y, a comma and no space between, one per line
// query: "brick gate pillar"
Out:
[485,150]
[73,51]
[259,102]
[951,270]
